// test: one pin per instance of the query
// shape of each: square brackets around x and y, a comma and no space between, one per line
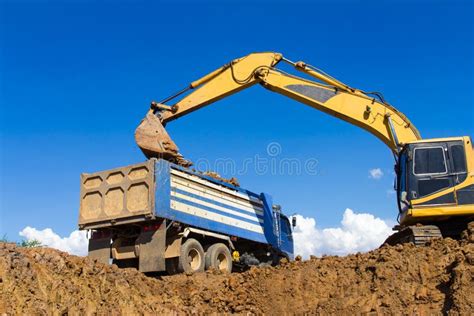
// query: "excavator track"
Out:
[419,235]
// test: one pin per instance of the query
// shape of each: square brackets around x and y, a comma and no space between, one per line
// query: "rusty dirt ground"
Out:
[404,279]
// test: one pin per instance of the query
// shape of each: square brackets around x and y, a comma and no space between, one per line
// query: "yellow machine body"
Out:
[456,199]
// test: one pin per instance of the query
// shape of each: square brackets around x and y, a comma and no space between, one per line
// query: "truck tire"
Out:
[218,257]
[191,258]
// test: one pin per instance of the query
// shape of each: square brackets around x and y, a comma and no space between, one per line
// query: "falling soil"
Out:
[403,279]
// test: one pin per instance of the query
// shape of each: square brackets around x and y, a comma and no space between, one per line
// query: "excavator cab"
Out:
[431,174]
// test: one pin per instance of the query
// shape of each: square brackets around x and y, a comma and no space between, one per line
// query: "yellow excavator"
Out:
[435,177]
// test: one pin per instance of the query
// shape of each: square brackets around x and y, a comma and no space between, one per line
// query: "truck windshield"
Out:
[285,226]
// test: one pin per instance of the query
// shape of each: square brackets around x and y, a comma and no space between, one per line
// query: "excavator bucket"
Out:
[154,141]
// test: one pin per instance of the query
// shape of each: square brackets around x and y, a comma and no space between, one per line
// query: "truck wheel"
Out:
[191,258]
[218,257]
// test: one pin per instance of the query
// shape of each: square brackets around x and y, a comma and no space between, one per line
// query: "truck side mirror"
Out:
[293,221]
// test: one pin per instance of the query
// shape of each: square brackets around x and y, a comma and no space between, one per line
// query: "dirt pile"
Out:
[404,279]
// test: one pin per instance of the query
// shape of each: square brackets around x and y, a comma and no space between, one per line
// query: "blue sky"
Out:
[77,78]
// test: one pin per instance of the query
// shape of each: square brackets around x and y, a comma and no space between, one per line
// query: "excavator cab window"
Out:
[458,161]
[434,167]
[458,157]
[429,170]
[429,161]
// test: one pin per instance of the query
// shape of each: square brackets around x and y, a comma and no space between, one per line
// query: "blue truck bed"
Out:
[159,189]
[204,202]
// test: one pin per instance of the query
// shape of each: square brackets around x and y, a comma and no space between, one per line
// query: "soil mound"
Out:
[403,279]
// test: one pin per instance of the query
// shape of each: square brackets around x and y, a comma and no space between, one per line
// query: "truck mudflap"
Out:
[150,250]
[99,246]
[144,251]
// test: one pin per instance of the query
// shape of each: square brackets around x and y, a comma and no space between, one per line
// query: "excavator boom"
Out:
[327,94]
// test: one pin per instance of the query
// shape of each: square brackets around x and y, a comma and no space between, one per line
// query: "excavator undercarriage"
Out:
[420,234]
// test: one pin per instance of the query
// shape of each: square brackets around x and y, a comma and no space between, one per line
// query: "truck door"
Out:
[430,172]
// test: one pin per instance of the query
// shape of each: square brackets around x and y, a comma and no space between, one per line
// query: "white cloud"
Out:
[357,233]
[75,244]
[376,173]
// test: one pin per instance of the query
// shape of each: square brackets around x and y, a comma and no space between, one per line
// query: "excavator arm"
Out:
[366,110]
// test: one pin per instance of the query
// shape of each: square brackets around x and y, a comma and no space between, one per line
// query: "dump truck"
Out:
[159,216]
